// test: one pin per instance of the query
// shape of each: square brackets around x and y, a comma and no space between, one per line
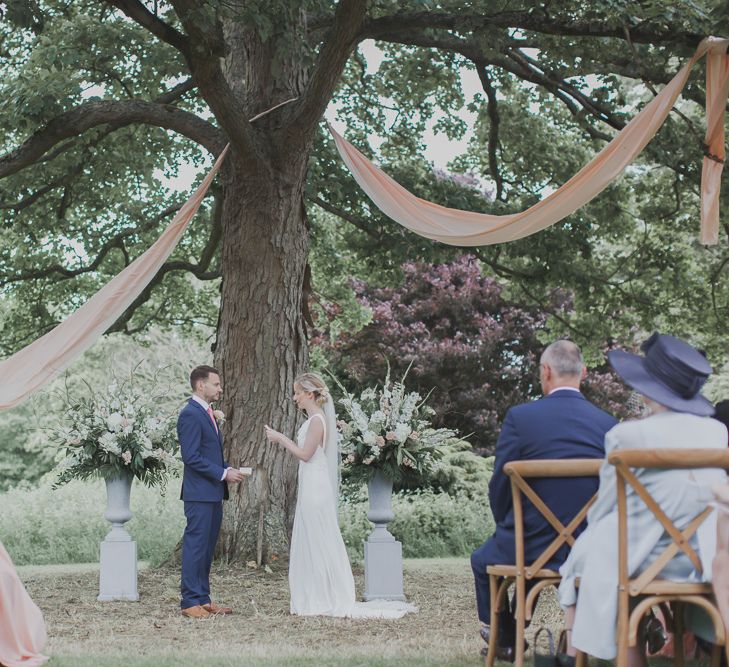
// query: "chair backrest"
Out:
[624,461]
[521,471]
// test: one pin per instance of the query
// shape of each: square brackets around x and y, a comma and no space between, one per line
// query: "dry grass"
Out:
[83,631]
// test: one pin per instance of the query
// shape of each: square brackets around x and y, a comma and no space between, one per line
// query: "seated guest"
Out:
[669,378]
[22,630]
[721,413]
[561,425]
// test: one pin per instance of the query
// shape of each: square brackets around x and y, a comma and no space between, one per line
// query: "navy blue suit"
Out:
[563,425]
[203,491]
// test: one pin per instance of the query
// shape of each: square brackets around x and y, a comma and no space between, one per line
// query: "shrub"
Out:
[41,526]
[429,524]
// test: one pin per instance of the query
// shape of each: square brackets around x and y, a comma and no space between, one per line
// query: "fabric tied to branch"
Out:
[466,228]
[31,368]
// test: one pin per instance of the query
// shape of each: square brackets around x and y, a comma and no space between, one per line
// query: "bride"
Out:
[320,576]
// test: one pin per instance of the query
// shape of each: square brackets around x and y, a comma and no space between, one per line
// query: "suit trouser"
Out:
[480,560]
[198,547]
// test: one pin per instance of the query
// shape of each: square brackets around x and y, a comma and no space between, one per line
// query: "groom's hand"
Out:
[233,476]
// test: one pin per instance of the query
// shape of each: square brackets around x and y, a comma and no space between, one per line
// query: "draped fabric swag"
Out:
[465,228]
[31,368]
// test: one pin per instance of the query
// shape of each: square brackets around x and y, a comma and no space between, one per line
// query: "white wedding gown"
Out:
[320,576]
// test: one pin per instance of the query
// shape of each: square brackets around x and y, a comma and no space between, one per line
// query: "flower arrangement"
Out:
[115,432]
[389,429]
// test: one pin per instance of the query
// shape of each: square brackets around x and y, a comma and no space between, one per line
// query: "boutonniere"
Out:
[219,416]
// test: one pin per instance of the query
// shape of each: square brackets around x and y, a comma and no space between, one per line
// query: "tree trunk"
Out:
[261,348]
[261,340]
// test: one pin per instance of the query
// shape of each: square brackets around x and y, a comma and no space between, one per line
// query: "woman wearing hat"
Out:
[669,378]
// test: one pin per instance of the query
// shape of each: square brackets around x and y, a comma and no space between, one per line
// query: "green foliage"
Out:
[429,524]
[42,526]
[461,472]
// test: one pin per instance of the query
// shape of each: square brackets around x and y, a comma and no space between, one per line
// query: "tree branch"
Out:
[347,217]
[201,270]
[493,113]
[136,11]
[534,21]
[117,114]
[338,45]
[207,47]
[115,242]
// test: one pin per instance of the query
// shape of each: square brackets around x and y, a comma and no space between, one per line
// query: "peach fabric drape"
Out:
[37,364]
[22,629]
[464,228]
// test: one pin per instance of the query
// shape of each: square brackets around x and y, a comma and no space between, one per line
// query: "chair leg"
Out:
[623,625]
[716,652]
[520,593]
[494,584]
[678,629]
[580,659]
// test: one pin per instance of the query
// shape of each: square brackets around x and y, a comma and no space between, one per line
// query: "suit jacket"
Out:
[563,425]
[201,445]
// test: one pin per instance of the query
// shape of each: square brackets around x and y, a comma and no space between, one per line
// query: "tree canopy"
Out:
[106,108]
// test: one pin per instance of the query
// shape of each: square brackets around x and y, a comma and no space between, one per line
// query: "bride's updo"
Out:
[313,383]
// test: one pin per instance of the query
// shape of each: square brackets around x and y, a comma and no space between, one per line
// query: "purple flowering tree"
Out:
[463,339]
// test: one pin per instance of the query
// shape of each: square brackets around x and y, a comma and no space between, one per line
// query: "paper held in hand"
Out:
[246,471]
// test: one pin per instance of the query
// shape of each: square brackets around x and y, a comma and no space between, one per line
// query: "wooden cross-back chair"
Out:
[647,587]
[502,576]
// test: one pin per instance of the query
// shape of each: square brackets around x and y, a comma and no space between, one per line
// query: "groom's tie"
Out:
[212,417]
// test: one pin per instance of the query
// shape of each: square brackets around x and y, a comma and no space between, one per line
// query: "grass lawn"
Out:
[152,633]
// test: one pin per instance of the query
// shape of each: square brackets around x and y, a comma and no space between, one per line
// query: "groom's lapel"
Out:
[209,421]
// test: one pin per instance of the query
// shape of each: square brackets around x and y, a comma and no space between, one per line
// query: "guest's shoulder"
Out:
[703,429]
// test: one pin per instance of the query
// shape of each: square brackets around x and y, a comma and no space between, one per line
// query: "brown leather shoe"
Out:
[196,612]
[213,608]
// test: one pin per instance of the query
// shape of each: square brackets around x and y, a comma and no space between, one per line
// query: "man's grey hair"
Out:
[564,358]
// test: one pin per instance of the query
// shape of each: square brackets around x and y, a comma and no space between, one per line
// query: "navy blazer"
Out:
[201,445]
[563,425]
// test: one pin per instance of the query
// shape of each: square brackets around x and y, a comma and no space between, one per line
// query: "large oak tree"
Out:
[100,99]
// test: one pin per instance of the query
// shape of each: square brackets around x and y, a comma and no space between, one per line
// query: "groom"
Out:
[204,486]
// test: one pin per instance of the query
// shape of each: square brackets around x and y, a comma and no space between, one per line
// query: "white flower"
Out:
[152,424]
[114,422]
[369,438]
[108,443]
[378,418]
[402,431]
[219,416]
[127,457]
[369,460]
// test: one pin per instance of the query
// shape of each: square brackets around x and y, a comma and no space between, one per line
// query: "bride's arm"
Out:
[314,438]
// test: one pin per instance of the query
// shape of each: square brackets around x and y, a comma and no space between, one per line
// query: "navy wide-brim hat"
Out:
[671,373]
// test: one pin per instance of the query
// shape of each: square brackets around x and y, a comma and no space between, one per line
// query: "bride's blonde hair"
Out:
[313,383]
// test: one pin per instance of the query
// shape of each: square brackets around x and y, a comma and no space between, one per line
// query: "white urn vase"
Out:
[118,559]
[383,553]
